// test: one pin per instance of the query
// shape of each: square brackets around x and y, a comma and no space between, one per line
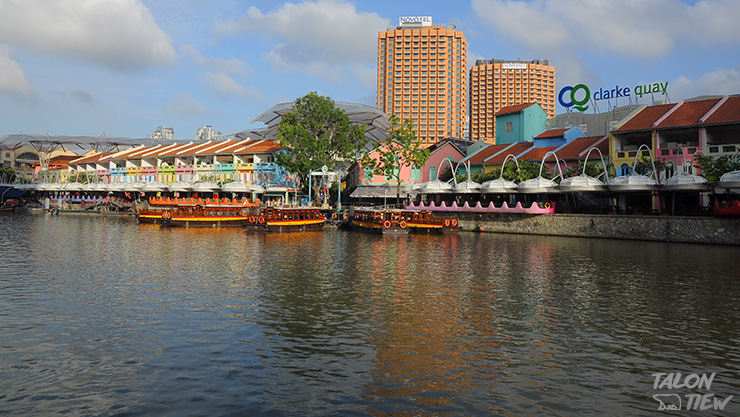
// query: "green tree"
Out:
[7,174]
[713,168]
[317,133]
[401,149]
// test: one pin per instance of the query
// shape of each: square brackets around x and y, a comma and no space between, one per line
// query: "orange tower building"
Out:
[422,77]
[497,83]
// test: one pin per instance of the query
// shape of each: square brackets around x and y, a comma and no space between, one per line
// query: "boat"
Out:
[197,212]
[286,219]
[423,221]
[385,222]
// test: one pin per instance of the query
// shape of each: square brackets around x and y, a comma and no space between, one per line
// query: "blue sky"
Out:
[124,67]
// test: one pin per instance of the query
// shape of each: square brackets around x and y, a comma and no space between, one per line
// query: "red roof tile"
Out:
[513,109]
[536,154]
[555,133]
[485,153]
[515,150]
[729,111]
[574,148]
[646,118]
[688,113]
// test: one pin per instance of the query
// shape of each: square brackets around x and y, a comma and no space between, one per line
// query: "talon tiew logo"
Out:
[575,92]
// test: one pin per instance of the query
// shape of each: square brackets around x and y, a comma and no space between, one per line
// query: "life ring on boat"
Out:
[261,219]
[547,205]
[387,224]
[334,215]
[447,222]
[251,219]
[402,224]
[454,222]
[165,215]
[345,216]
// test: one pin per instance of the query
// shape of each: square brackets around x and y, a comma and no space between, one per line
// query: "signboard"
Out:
[424,20]
[577,96]
[515,65]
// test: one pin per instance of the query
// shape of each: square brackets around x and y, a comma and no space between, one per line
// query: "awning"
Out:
[376,191]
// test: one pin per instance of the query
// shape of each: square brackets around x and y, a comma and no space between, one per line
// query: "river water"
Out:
[102,316]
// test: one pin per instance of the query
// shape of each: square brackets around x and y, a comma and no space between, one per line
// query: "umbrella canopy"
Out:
[686,182]
[435,187]
[73,186]
[181,186]
[582,183]
[730,180]
[498,186]
[154,187]
[115,186]
[632,183]
[466,187]
[539,185]
[206,187]
[236,187]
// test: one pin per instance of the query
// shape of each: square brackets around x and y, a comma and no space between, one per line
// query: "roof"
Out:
[486,152]
[555,133]
[646,118]
[226,147]
[376,122]
[577,148]
[513,109]
[514,149]
[89,158]
[536,154]
[728,111]
[687,113]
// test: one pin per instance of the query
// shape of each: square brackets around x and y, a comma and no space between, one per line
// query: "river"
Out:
[102,316]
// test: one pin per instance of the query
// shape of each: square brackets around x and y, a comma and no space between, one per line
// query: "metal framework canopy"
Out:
[376,122]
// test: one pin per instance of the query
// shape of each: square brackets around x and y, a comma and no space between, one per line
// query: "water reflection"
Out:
[103,316]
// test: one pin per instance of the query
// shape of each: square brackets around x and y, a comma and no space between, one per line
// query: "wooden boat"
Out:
[285,219]
[385,222]
[195,215]
[197,212]
[424,221]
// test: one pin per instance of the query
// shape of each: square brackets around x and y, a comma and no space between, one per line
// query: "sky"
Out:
[124,67]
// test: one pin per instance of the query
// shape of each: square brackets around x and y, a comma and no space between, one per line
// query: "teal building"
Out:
[519,123]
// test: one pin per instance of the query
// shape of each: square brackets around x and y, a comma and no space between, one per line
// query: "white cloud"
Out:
[232,66]
[119,34]
[12,78]
[313,36]
[186,105]
[630,27]
[722,81]
[222,85]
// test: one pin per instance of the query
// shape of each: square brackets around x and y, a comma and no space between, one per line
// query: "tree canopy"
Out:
[317,133]
[401,149]
[713,168]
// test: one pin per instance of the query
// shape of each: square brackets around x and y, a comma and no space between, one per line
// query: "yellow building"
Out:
[421,76]
[497,83]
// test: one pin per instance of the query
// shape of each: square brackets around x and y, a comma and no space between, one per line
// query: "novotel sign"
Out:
[578,95]
[424,20]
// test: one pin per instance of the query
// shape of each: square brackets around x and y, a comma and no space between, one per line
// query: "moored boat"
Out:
[424,221]
[286,219]
[196,215]
[385,222]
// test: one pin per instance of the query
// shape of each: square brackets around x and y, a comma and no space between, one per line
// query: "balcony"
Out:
[722,150]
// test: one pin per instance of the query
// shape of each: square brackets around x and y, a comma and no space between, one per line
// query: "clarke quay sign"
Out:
[579,95]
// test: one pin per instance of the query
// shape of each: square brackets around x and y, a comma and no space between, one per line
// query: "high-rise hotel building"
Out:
[422,77]
[498,83]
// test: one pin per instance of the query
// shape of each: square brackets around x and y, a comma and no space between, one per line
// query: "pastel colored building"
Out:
[422,77]
[497,83]
[519,123]
[709,125]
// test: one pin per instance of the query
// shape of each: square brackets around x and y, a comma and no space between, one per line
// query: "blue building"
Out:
[519,123]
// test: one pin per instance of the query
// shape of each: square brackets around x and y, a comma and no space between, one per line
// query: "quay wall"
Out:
[709,230]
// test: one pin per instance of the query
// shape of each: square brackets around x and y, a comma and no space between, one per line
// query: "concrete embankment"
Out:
[710,230]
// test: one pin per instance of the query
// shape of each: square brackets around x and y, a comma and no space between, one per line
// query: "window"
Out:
[509,126]
[369,174]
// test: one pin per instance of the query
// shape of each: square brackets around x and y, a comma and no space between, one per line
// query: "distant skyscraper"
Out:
[422,77]
[497,83]
[207,133]
[162,132]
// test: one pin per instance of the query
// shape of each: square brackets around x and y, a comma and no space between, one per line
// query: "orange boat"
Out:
[286,219]
[197,212]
